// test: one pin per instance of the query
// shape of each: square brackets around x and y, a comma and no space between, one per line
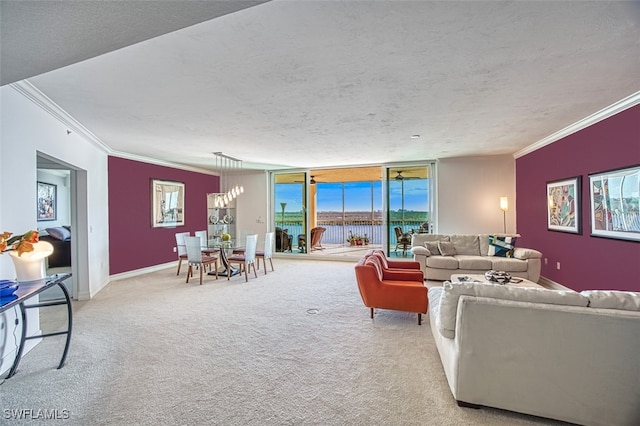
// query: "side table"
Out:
[27,290]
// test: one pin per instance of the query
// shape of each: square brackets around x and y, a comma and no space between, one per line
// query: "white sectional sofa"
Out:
[471,255]
[559,354]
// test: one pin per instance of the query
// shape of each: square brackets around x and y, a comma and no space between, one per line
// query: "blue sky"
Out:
[357,196]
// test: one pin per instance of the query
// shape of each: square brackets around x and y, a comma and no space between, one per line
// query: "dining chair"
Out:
[203,239]
[247,259]
[267,253]
[197,259]
[181,248]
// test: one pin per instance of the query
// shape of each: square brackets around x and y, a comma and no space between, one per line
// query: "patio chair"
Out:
[316,238]
[402,239]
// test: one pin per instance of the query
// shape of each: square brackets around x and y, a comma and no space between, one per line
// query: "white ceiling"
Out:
[327,83]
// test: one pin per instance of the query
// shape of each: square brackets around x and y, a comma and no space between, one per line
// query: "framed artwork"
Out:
[47,201]
[563,205]
[615,202]
[167,204]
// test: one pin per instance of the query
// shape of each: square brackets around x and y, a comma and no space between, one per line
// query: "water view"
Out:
[340,225]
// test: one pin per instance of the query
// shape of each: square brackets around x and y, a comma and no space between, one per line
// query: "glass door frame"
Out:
[390,169]
[296,176]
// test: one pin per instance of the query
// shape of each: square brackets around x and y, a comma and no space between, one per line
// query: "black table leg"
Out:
[23,338]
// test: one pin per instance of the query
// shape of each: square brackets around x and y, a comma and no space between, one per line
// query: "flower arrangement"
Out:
[21,243]
[357,240]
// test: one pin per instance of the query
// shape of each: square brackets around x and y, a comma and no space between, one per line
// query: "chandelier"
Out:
[227,167]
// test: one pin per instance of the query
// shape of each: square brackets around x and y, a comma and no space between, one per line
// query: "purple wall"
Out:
[133,243]
[586,262]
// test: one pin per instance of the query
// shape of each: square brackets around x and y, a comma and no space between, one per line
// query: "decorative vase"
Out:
[30,266]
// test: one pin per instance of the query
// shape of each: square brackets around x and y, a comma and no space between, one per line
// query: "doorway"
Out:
[69,184]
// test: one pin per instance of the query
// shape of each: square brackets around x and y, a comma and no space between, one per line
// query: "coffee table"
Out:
[457,278]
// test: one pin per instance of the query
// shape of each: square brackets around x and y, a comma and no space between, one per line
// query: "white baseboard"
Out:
[546,282]
[155,268]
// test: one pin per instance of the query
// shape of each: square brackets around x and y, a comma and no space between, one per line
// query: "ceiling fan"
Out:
[399,176]
[312,181]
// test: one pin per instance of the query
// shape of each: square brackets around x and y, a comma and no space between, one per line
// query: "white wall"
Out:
[27,127]
[469,191]
[252,206]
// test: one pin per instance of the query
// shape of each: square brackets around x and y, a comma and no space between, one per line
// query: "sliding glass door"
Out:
[290,211]
[351,212]
[409,205]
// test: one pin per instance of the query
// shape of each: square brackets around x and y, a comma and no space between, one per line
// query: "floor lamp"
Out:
[504,206]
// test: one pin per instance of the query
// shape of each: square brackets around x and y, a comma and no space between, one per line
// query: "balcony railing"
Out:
[337,232]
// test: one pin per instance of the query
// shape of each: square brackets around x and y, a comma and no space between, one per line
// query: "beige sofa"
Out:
[558,354]
[472,257]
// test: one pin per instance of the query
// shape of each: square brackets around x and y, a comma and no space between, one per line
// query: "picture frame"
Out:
[47,201]
[563,205]
[167,203]
[615,203]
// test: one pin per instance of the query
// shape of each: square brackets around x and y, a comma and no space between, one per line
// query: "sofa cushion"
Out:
[466,244]
[476,263]
[453,291]
[60,233]
[446,248]
[508,264]
[613,299]
[432,246]
[442,262]
[420,239]
[501,246]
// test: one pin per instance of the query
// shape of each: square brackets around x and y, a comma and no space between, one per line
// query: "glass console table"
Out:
[27,290]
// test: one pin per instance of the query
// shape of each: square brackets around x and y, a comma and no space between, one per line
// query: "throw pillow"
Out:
[432,246]
[446,248]
[59,233]
[501,246]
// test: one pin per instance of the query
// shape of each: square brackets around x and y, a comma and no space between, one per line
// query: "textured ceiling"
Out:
[326,83]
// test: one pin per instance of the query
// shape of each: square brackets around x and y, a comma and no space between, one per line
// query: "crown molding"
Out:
[32,93]
[607,112]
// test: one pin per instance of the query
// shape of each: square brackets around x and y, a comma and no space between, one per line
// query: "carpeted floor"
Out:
[294,347]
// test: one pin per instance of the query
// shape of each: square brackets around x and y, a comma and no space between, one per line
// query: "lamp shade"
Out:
[30,266]
[504,204]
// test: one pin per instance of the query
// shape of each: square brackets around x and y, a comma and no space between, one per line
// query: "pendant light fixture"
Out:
[228,168]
